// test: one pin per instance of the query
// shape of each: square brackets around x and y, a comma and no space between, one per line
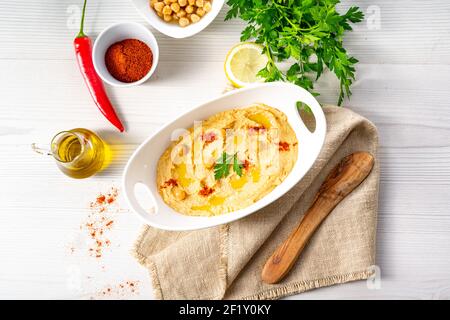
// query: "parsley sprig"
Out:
[222,166]
[308,31]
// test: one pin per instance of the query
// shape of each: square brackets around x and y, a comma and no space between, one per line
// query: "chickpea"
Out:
[179,193]
[175,7]
[166,2]
[167,11]
[181,13]
[159,6]
[182,3]
[152,3]
[175,17]
[191,2]
[195,18]
[199,3]
[167,17]
[173,1]
[207,6]
[160,14]
[189,9]
[200,12]
[183,22]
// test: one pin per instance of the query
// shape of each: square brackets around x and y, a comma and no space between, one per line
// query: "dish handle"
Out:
[140,197]
[321,124]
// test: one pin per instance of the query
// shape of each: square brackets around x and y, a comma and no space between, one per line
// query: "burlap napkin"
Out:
[225,262]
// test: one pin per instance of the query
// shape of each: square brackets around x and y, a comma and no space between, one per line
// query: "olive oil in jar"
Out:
[69,148]
[80,153]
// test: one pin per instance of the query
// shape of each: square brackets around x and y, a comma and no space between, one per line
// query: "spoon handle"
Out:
[342,180]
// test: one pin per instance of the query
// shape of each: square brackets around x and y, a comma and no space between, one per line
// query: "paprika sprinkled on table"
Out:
[129,60]
[100,222]
[124,289]
[97,227]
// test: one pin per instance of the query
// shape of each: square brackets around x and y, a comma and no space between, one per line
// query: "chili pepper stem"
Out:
[81,33]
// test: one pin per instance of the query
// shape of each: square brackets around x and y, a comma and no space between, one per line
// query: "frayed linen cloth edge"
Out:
[271,294]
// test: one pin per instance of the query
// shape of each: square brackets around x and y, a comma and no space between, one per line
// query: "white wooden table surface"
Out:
[403,87]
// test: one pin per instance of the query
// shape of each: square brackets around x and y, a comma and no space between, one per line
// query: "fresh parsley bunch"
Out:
[308,31]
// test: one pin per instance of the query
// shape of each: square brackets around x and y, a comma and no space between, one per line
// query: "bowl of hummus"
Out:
[224,159]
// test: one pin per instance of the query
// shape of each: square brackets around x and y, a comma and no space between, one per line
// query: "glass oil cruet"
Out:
[79,153]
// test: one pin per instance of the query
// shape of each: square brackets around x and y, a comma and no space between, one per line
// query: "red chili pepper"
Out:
[83,50]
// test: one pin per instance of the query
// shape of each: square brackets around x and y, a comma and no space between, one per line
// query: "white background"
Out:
[403,87]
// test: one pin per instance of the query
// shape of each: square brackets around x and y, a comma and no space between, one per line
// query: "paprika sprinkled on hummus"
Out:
[283,146]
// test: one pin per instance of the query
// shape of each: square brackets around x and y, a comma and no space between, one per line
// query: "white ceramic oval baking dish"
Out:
[172,29]
[141,167]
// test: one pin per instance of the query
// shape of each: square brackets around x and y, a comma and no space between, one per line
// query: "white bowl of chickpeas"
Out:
[179,18]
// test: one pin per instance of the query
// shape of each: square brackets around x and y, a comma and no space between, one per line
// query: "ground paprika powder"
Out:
[129,60]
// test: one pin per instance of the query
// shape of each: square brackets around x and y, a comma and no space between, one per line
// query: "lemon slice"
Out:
[243,62]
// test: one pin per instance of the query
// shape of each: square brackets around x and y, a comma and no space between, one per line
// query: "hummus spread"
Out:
[227,162]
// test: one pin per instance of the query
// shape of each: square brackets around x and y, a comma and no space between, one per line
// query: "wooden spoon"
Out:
[346,176]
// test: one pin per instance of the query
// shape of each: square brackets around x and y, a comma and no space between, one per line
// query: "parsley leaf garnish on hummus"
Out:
[222,166]
[237,167]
